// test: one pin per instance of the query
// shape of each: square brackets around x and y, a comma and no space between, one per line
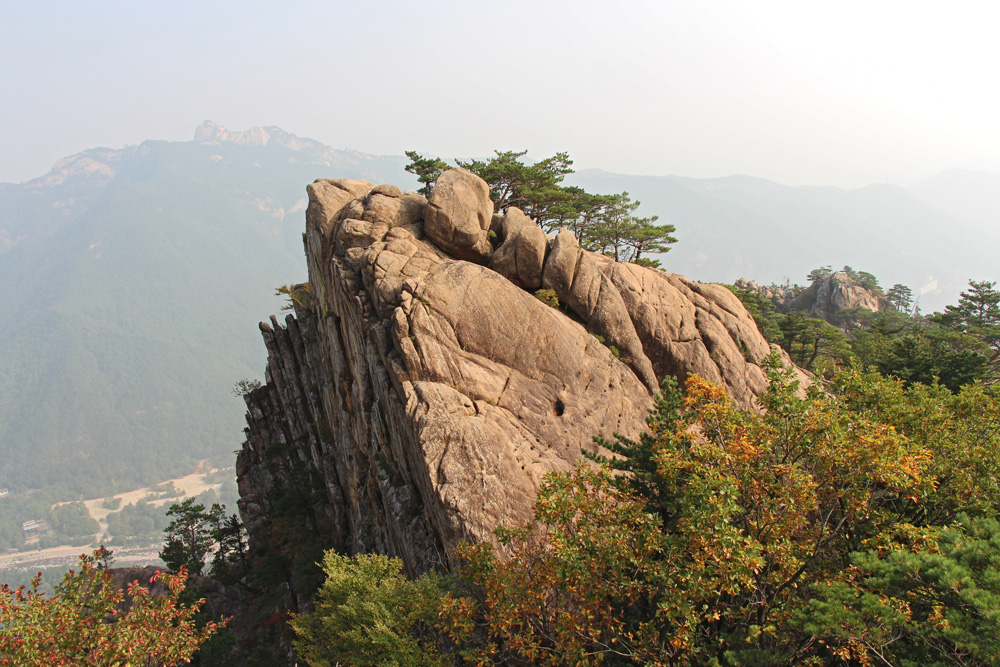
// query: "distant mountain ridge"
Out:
[745,227]
[133,281]
[134,278]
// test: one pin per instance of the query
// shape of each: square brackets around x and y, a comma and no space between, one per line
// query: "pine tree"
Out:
[427,170]
[188,537]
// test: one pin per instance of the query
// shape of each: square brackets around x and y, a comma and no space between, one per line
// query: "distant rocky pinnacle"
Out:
[423,390]
[823,299]
[210,131]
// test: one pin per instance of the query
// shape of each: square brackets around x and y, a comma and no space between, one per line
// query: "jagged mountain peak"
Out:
[210,131]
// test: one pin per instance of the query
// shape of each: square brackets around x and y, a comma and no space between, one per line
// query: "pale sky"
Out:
[840,93]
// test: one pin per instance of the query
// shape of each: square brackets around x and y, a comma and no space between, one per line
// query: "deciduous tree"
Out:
[89,621]
[720,526]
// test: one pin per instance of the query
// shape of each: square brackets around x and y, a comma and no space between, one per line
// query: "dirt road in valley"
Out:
[70,556]
[67,556]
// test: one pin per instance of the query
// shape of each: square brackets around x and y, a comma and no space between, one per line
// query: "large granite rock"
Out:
[824,299]
[459,213]
[418,396]
[521,254]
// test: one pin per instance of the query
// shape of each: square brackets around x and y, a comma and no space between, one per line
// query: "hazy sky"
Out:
[836,93]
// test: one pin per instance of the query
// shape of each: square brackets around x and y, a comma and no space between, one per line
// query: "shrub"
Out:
[88,620]
[368,613]
[548,297]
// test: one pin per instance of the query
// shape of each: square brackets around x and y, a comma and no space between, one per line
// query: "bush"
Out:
[548,297]
[368,613]
[852,527]
[88,616]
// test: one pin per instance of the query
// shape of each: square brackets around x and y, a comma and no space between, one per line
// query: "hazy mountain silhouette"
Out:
[740,226]
[134,280]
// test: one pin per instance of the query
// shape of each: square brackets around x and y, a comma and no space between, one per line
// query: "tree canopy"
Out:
[602,223]
[956,347]
[194,533]
[775,537]
[854,526]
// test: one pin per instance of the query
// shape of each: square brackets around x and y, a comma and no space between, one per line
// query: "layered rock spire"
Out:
[427,390]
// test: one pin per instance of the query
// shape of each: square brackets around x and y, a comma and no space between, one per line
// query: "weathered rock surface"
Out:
[521,255]
[823,299]
[459,214]
[839,291]
[418,397]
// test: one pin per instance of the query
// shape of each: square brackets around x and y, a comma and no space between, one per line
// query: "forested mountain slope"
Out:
[133,280]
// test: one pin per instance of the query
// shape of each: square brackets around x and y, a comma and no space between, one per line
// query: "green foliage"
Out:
[139,522]
[618,233]
[935,604]
[812,343]
[977,314]
[188,537]
[290,545]
[763,311]
[926,355]
[819,274]
[368,613]
[533,188]
[298,295]
[73,521]
[901,297]
[68,523]
[602,223]
[955,348]
[85,621]
[97,402]
[869,282]
[427,170]
[548,297]
[724,537]
[193,533]
[231,561]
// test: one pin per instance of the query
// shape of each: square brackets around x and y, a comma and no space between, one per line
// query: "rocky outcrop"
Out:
[421,392]
[824,299]
[777,294]
[521,255]
[838,291]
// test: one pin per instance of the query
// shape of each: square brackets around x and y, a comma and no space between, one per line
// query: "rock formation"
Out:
[838,291]
[823,299]
[421,391]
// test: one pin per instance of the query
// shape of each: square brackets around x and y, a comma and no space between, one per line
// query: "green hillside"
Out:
[132,304]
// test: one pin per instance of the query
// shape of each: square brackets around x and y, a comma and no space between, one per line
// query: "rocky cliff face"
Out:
[421,390]
[838,292]
[823,299]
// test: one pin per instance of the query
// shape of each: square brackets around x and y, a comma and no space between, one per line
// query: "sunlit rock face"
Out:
[426,391]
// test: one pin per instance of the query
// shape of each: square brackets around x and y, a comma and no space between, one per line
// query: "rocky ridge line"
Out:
[421,391]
